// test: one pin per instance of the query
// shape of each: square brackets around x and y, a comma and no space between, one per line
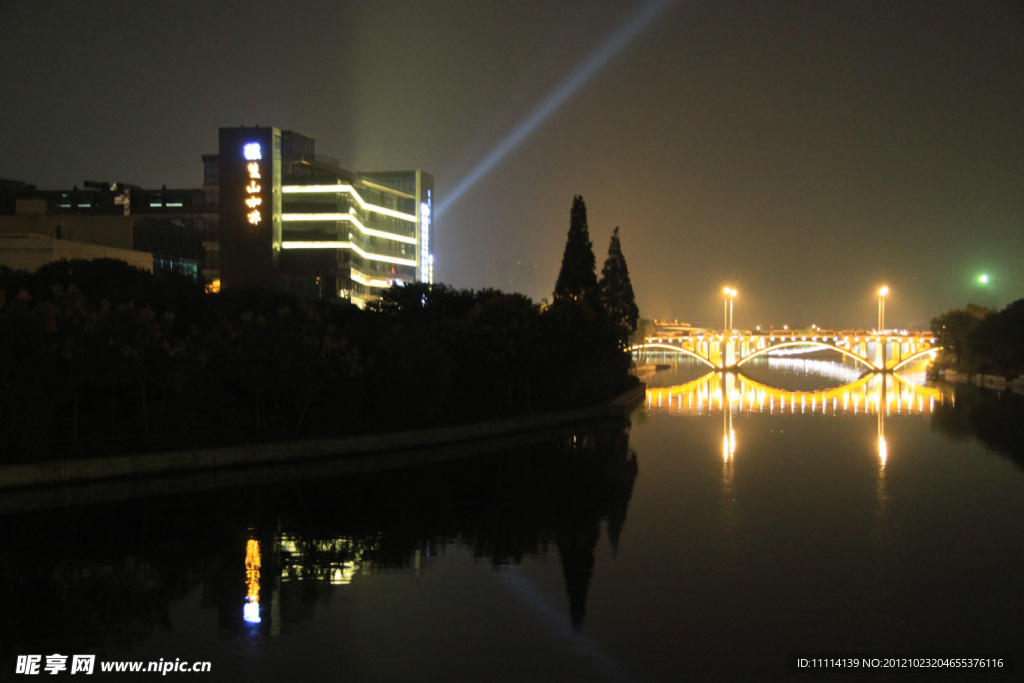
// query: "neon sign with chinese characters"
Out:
[253,154]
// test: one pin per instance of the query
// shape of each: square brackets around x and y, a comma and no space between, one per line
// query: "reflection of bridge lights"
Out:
[729,445]
[864,395]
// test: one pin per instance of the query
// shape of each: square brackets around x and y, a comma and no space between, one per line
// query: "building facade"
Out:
[166,227]
[296,221]
[271,213]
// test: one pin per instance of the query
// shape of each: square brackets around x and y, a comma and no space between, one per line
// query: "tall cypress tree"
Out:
[617,291]
[577,280]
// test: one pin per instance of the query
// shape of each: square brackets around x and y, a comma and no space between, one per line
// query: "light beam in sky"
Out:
[580,75]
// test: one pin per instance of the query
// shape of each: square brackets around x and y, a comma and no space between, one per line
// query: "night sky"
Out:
[803,151]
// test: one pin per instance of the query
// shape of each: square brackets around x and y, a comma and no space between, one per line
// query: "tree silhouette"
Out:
[577,280]
[953,329]
[995,342]
[617,291]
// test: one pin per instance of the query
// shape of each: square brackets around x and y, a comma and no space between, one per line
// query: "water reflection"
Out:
[879,394]
[887,394]
[505,508]
[251,609]
[728,465]
[993,417]
[269,557]
[957,410]
[736,395]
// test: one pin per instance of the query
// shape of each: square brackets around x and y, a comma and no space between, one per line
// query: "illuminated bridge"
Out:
[730,349]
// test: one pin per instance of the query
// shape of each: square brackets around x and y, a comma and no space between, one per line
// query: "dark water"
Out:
[729,526]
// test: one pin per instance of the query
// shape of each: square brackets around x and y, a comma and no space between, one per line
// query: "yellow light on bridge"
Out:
[730,294]
[881,307]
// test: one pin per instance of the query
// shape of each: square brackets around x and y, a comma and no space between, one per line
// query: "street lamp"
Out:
[881,308]
[730,293]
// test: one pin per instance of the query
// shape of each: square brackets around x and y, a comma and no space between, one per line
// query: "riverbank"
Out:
[995,382]
[378,447]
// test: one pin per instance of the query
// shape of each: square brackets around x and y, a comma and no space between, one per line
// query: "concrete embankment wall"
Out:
[149,464]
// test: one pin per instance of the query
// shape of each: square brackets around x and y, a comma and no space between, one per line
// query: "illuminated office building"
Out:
[295,221]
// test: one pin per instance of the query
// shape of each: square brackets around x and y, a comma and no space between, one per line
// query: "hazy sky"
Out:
[804,151]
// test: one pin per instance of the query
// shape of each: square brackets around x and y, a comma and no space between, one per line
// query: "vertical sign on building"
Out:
[425,258]
[250,212]
[253,201]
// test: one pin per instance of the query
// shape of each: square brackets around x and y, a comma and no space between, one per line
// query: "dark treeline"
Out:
[979,340]
[100,358]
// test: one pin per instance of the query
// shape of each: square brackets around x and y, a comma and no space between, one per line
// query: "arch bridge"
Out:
[730,349]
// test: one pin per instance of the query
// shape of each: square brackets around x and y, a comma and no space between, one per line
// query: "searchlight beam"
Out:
[579,76]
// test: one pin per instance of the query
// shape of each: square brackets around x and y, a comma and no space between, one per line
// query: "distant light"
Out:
[883,291]
[983,279]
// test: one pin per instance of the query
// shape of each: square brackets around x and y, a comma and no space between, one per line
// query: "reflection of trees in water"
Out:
[995,418]
[504,506]
[103,577]
[94,579]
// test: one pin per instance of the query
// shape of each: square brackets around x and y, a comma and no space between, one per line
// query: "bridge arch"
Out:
[821,345]
[916,356]
[676,349]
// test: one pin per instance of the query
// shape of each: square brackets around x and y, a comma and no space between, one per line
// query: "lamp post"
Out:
[729,294]
[881,308]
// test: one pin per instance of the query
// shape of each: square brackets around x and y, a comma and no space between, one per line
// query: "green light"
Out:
[983,279]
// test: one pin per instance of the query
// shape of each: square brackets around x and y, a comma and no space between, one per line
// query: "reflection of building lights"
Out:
[883,451]
[251,609]
[251,612]
[346,560]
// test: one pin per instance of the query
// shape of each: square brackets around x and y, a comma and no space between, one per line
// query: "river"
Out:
[729,529]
